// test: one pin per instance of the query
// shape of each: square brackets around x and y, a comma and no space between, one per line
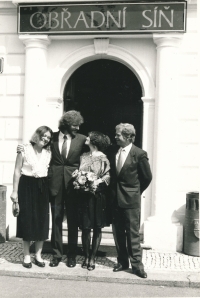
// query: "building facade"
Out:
[149,79]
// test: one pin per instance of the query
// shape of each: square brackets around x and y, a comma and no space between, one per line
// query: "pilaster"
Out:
[159,225]
[35,83]
[147,145]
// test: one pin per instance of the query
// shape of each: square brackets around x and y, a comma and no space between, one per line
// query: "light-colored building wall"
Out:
[188,175]
[12,98]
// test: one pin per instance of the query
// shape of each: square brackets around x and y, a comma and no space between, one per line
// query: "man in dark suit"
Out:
[130,176]
[66,149]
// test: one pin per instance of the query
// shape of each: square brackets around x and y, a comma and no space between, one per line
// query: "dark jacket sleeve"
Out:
[144,172]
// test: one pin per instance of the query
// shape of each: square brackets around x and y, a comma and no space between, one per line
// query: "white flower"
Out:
[82,180]
[76,187]
[91,176]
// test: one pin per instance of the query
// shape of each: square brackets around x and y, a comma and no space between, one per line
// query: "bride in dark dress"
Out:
[92,206]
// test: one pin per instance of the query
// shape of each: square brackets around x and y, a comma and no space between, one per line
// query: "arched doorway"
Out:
[106,93]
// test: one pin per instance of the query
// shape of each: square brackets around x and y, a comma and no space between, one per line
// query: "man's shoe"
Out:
[54,262]
[119,267]
[141,273]
[71,262]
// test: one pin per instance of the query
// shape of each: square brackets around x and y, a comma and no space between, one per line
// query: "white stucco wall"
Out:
[11,99]
[12,95]
[188,175]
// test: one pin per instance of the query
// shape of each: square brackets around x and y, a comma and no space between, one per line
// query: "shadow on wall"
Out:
[179,214]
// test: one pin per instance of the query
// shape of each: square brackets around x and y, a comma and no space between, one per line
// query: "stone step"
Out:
[104,235]
[107,237]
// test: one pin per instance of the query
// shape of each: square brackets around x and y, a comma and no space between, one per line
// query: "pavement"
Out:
[163,268]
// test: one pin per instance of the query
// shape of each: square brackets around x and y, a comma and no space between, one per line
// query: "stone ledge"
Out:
[155,278]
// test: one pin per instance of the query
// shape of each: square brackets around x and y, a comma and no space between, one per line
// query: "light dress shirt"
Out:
[125,152]
[61,140]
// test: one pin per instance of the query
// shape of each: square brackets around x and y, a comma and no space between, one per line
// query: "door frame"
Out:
[102,49]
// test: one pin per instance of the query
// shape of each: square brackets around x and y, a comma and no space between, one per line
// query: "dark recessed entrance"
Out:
[106,93]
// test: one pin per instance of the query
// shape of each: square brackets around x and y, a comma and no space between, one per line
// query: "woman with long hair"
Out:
[30,190]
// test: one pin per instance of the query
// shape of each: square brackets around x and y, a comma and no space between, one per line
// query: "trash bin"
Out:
[191,244]
[2,213]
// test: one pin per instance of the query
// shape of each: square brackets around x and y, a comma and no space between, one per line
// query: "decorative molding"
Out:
[87,36]
[101,46]
[168,40]
[35,41]
[148,100]
[8,11]
[64,70]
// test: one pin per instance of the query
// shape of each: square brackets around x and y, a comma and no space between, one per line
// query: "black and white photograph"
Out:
[99,148]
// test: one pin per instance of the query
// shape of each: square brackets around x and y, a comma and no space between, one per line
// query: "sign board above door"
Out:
[102,18]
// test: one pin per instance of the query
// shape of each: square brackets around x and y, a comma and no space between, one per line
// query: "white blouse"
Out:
[31,165]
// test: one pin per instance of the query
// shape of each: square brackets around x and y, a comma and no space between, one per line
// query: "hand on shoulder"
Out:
[20,148]
[99,153]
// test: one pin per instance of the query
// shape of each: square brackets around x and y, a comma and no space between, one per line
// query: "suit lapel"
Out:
[113,160]
[72,146]
[128,160]
[56,146]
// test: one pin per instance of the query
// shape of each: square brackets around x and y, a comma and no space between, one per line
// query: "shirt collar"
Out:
[61,135]
[127,148]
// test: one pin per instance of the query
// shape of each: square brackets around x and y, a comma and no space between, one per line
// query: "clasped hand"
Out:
[14,197]
[97,182]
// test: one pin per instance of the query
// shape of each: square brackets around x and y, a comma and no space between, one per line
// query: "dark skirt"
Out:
[33,219]
[93,211]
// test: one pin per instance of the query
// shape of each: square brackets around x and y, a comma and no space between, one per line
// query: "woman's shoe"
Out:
[39,264]
[85,265]
[27,265]
[91,267]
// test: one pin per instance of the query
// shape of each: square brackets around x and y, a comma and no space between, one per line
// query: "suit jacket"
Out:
[60,170]
[134,177]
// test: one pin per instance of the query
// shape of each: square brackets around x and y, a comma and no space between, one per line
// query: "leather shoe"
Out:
[27,265]
[54,262]
[141,273]
[71,262]
[119,267]
[91,267]
[84,265]
[39,264]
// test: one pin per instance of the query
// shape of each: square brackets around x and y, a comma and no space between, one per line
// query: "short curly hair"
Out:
[98,139]
[70,118]
[39,133]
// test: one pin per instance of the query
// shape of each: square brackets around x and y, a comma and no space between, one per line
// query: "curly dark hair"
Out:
[98,139]
[39,133]
[70,118]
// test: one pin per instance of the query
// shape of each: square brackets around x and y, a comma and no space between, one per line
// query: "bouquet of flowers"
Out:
[84,181]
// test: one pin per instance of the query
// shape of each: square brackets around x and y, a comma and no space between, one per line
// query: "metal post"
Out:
[2,213]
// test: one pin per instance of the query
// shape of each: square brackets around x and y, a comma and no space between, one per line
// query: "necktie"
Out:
[64,148]
[120,162]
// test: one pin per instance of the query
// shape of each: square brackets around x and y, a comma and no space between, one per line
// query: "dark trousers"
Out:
[65,197]
[126,223]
